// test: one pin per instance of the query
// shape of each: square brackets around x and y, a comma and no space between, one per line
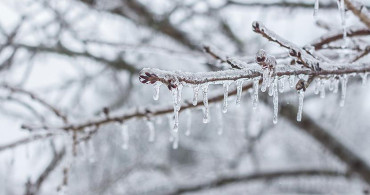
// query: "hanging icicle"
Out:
[265,79]
[282,84]
[226,93]
[157,87]
[364,78]
[343,81]
[322,89]
[275,99]
[239,88]
[175,143]
[300,104]
[316,9]
[205,102]
[195,95]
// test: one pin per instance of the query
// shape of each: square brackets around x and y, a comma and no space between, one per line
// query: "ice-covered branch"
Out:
[174,78]
[228,180]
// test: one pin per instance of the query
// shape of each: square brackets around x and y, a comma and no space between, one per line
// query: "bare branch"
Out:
[359,10]
[228,180]
[26,140]
[34,188]
[57,112]
[337,35]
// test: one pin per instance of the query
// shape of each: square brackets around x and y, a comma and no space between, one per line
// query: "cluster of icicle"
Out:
[342,12]
[270,83]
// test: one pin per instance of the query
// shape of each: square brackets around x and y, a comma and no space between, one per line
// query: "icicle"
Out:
[270,79]
[343,81]
[322,89]
[157,86]
[331,83]
[364,78]
[226,93]
[239,88]
[188,124]
[255,93]
[275,99]
[195,96]
[220,127]
[291,81]
[176,93]
[271,90]
[175,109]
[300,105]
[175,143]
[265,79]
[317,86]
[341,9]
[151,130]
[316,9]
[282,84]
[125,136]
[205,102]
[336,84]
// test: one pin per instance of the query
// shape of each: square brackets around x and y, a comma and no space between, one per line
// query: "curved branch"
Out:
[223,181]
[337,35]
[354,162]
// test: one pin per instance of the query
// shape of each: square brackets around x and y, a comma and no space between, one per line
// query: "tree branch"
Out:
[360,11]
[227,180]
[354,162]
[57,112]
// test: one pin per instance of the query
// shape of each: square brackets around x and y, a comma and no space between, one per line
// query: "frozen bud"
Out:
[171,84]
[148,78]
[261,56]
[301,84]
[206,49]
[292,52]
[255,26]
[106,111]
